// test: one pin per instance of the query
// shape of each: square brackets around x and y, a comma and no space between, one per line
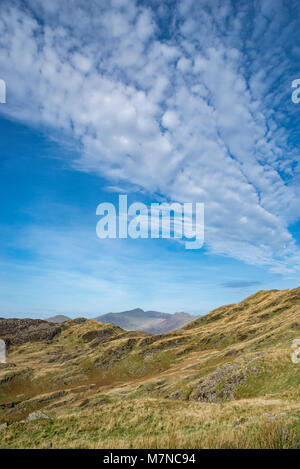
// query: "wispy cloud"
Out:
[240,284]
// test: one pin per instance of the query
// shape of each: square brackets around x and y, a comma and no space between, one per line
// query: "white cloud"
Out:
[191,117]
[170,119]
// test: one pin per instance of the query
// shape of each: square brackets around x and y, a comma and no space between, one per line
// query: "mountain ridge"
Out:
[153,322]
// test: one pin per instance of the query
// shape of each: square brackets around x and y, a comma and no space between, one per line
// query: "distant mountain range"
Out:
[58,319]
[137,319]
[148,321]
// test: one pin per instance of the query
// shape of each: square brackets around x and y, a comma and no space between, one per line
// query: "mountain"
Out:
[58,319]
[225,380]
[153,322]
[175,321]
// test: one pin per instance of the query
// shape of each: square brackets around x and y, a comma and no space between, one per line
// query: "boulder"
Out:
[35,416]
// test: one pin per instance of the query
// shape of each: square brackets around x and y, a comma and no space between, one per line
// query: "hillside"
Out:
[153,322]
[224,380]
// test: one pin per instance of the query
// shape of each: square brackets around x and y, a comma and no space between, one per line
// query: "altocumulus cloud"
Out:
[184,99]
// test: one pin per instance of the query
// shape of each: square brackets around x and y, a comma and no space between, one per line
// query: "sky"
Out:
[165,101]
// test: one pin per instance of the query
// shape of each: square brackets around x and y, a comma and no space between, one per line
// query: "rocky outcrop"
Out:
[20,331]
[222,384]
[35,416]
[98,336]
[13,373]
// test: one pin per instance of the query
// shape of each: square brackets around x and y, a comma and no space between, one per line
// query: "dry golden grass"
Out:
[153,423]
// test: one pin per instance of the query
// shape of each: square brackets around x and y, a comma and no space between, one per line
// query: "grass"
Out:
[277,375]
[152,423]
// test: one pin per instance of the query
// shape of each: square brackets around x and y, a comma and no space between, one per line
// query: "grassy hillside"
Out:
[224,380]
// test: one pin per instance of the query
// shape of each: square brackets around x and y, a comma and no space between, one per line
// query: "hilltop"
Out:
[224,380]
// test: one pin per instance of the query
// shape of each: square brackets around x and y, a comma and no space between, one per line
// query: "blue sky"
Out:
[184,101]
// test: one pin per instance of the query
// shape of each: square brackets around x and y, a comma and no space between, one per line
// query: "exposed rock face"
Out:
[98,336]
[11,375]
[36,415]
[222,384]
[20,331]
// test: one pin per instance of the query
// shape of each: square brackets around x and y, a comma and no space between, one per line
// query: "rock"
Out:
[220,385]
[10,375]
[42,399]
[65,402]
[241,421]
[35,416]
[96,404]
[84,403]
[9,405]
[177,395]
[84,387]
[4,366]
[3,425]
[270,417]
[20,331]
